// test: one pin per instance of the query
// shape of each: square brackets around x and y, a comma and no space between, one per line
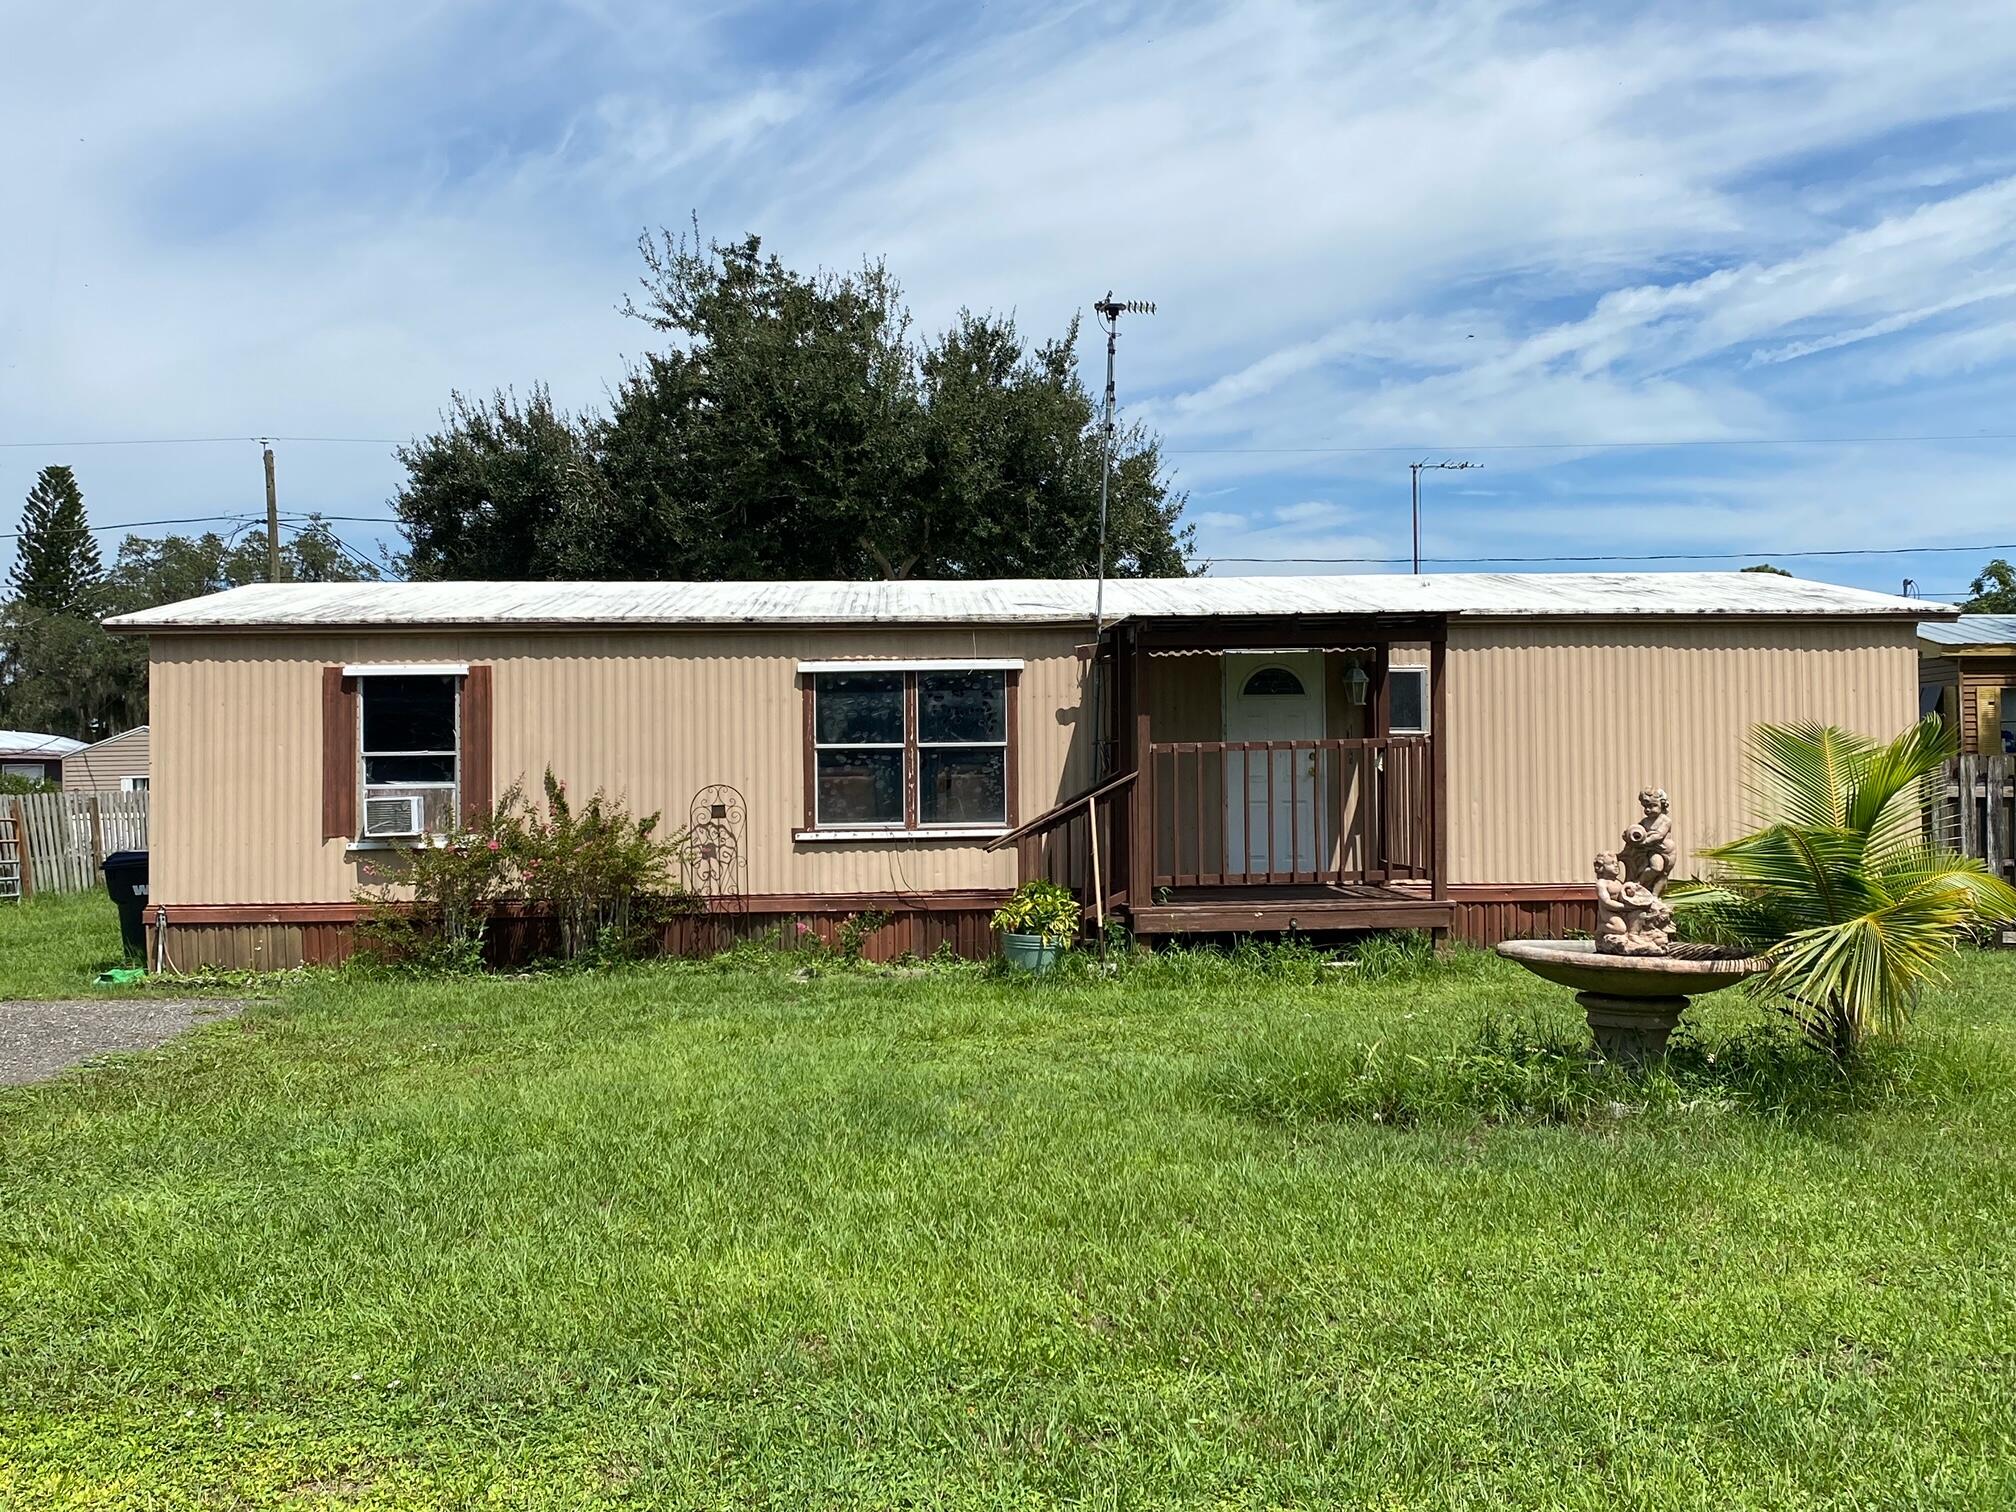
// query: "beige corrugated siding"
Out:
[654,715]
[1554,727]
[100,767]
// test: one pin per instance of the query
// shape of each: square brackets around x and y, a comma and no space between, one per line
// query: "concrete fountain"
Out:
[1634,980]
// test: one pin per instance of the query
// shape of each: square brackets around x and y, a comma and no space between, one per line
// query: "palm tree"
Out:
[1846,890]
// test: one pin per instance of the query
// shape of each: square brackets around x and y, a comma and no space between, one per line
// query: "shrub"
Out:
[851,938]
[604,876]
[455,886]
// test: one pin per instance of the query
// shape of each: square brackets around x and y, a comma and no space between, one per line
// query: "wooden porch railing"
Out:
[1271,812]
[1072,843]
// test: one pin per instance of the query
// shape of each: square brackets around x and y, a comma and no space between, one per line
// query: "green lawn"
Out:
[683,1237]
[53,946]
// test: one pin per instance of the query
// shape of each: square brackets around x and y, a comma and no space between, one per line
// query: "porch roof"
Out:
[1024,601]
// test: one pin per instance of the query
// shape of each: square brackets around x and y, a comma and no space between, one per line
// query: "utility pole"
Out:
[272,521]
[1415,469]
[1109,311]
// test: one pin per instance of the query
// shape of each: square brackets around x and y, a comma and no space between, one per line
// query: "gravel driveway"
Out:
[38,1039]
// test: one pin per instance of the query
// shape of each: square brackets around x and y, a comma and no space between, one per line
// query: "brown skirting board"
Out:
[278,936]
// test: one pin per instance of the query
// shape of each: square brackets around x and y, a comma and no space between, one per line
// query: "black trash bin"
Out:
[126,881]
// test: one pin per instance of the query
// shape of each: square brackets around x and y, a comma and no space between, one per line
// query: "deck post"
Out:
[1438,765]
[1121,837]
[1141,843]
[1378,831]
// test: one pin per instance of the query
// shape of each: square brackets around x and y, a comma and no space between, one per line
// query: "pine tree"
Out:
[56,564]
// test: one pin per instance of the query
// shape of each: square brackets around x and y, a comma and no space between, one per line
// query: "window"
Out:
[858,722]
[132,784]
[1407,700]
[909,749]
[407,728]
[1276,682]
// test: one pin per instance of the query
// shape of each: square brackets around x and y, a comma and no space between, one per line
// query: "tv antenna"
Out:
[1416,468]
[1109,311]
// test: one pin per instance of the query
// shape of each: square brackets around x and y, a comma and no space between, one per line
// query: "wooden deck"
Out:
[1278,909]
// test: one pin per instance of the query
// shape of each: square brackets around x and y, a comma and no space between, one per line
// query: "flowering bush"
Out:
[604,876]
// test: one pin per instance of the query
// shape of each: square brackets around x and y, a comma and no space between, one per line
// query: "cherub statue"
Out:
[1630,918]
[1649,852]
[1613,904]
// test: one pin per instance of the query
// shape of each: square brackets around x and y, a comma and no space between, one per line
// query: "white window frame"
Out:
[458,676]
[1422,674]
[913,797]
[133,784]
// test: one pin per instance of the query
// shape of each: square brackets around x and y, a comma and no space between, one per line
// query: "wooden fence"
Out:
[53,842]
[1976,813]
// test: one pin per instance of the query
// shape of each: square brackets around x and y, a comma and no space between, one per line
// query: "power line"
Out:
[15,535]
[343,546]
[208,441]
[1516,446]
[242,517]
[1185,451]
[1759,554]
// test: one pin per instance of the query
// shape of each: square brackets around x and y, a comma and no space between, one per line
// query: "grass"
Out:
[698,1237]
[55,944]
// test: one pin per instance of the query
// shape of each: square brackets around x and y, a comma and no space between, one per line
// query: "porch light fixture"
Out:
[1357,681]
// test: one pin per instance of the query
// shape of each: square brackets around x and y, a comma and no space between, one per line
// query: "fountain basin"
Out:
[1632,1002]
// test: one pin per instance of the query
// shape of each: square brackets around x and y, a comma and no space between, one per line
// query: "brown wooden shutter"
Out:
[476,762]
[339,755]
[1011,772]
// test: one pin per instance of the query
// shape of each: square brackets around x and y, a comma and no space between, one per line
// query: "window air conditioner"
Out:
[391,818]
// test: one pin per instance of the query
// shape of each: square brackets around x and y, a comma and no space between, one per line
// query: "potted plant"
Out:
[1037,923]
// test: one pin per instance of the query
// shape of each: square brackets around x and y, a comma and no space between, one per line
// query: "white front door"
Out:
[1272,696]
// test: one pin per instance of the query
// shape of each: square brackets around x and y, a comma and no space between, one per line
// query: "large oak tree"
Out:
[792,427]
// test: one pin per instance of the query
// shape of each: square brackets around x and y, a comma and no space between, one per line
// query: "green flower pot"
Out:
[1029,952]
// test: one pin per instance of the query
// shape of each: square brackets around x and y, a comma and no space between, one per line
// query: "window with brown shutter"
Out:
[418,733]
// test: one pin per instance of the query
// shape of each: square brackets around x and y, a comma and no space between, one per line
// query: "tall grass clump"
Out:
[1510,1070]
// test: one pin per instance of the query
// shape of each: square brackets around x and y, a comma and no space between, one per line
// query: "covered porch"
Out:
[1259,775]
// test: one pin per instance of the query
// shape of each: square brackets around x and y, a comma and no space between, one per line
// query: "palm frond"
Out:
[1843,888]
[1890,794]
[1806,773]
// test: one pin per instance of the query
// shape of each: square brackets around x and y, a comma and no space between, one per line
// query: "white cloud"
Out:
[1712,223]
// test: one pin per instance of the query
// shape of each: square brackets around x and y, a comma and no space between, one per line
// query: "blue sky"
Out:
[1375,232]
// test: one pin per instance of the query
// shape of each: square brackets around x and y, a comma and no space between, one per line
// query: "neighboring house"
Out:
[1311,754]
[23,753]
[1967,676]
[117,764]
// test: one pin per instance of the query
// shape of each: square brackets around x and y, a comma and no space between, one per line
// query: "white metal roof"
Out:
[1015,600]
[126,734]
[19,743]
[1971,630]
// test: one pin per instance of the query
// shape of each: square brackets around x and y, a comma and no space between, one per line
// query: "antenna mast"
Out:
[1415,469]
[1109,311]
